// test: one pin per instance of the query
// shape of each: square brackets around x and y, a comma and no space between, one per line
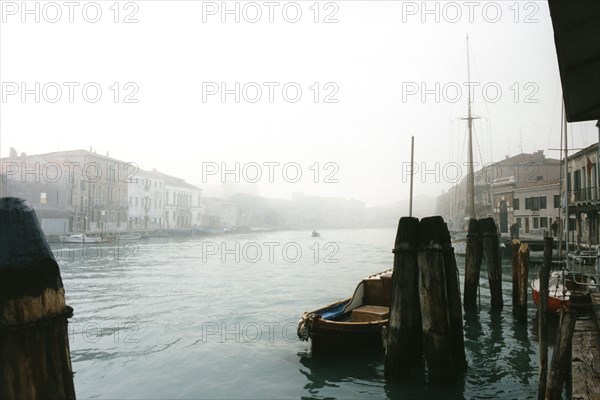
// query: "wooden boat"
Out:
[560,289]
[352,323]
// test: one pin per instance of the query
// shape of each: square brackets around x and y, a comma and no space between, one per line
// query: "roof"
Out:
[537,184]
[577,38]
[526,158]
[174,181]
[73,153]
[591,147]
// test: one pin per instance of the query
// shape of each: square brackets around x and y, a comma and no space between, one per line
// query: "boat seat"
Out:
[370,313]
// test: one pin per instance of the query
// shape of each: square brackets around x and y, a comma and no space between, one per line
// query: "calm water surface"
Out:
[182,318]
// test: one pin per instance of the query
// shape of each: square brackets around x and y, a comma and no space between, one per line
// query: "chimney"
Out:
[13,153]
[539,157]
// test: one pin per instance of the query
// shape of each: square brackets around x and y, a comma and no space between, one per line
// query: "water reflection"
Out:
[334,370]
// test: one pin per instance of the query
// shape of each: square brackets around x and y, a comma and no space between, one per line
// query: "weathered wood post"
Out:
[473,256]
[542,325]
[35,361]
[405,339]
[516,244]
[433,299]
[522,277]
[561,358]
[457,338]
[491,250]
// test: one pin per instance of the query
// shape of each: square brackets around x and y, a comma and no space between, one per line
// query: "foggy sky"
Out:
[374,51]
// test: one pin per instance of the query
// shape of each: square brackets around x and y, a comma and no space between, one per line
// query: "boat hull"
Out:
[331,336]
[354,323]
[555,304]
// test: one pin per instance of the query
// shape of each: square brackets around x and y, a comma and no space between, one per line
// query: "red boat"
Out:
[561,285]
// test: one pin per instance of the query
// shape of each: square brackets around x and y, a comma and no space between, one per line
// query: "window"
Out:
[543,222]
[536,222]
[519,222]
[43,198]
[532,203]
[515,204]
[542,202]
[136,201]
[556,201]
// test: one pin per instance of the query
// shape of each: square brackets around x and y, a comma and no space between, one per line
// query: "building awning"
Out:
[577,39]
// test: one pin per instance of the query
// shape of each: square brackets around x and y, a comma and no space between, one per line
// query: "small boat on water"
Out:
[125,236]
[81,238]
[316,234]
[561,285]
[355,321]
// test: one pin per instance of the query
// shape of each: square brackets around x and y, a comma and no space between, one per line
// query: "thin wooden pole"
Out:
[35,361]
[516,245]
[404,341]
[522,275]
[542,307]
[412,173]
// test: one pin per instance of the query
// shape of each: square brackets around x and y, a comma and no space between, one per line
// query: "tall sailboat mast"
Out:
[471,173]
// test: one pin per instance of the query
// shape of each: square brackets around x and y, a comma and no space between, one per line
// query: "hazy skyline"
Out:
[375,61]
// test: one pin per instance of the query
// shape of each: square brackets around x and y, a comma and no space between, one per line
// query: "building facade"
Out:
[583,196]
[146,201]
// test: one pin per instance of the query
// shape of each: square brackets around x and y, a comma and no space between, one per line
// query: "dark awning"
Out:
[577,38]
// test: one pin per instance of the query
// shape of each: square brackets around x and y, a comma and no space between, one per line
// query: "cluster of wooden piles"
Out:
[426,312]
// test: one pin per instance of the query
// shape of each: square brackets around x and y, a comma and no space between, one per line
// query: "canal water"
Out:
[215,317]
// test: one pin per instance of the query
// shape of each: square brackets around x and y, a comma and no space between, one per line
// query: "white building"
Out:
[146,201]
[182,204]
[536,207]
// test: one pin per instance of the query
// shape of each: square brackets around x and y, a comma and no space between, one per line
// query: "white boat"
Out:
[81,238]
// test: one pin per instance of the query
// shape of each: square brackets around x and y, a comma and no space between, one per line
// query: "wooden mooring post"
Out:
[473,256]
[542,325]
[434,299]
[516,245]
[520,308]
[491,251]
[457,339]
[404,336]
[561,358]
[35,361]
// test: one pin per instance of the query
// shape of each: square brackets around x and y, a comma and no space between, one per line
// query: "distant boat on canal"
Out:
[81,238]
[316,234]
[351,323]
